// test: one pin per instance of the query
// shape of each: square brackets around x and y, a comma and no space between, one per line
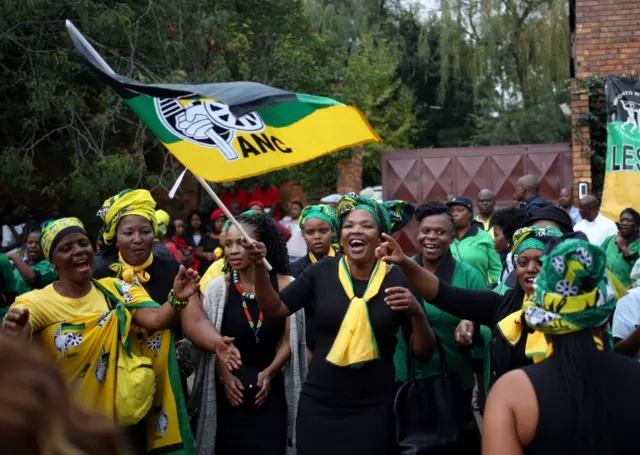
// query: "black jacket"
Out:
[534,203]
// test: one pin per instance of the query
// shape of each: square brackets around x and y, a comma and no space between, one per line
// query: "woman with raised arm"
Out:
[346,404]
[582,398]
[110,339]
[513,343]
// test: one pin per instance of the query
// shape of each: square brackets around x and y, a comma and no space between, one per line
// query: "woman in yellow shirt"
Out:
[108,334]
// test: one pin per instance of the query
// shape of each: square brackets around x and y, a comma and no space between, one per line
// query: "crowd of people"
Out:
[294,331]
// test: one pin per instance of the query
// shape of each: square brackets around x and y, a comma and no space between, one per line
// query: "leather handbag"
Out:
[433,415]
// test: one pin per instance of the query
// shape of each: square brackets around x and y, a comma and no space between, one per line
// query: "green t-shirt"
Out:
[476,249]
[443,326]
[619,265]
[45,275]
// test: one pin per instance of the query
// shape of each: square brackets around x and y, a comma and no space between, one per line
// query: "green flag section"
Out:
[622,173]
[234,130]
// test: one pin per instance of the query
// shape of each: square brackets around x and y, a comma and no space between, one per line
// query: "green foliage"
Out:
[421,80]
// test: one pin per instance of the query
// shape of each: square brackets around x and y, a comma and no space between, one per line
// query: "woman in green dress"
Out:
[34,273]
[434,236]
[622,250]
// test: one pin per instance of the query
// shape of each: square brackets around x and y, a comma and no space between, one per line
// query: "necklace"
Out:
[244,296]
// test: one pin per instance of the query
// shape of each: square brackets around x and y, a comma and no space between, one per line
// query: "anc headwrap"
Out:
[573,291]
[391,216]
[54,231]
[322,212]
[532,238]
[127,202]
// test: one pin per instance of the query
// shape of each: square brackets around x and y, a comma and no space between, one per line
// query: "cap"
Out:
[461,200]
[258,203]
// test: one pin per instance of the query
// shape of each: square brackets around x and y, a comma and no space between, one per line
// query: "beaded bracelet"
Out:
[176,304]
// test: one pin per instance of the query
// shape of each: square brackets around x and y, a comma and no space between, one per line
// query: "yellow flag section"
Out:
[214,144]
[123,371]
[622,171]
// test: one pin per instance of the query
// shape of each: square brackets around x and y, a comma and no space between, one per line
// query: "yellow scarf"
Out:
[355,343]
[107,362]
[537,347]
[129,273]
[313,258]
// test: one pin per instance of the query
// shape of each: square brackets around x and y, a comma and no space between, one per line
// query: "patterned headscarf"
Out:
[322,212]
[531,238]
[391,216]
[127,202]
[56,230]
[162,218]
[574,290]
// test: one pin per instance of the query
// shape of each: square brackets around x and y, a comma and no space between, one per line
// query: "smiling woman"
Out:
[345,396]
[435,235]
[75,309]
[34,273]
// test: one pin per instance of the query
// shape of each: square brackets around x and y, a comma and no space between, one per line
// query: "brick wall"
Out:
[350,173]
[605,42]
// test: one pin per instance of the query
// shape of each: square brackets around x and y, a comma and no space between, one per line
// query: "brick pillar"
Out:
[581,138]
[350,172]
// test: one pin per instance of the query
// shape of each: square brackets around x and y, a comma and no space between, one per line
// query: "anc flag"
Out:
[234,130]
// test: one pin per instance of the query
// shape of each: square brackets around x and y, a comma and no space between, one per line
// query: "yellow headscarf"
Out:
[52,231]
[162,218]
[127,202]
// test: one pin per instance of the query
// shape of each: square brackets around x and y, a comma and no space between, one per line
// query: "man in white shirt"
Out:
[626,319]
[596,226]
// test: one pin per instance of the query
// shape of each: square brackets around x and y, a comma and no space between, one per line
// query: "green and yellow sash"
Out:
[101,354]
[313,259]
[355,343]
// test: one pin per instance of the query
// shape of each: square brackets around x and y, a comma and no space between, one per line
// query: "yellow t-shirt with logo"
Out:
[47,307]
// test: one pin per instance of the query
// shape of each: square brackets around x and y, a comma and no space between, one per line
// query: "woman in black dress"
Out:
[319,225]
[246,412]
[583,398]
[346,404]
[513,344]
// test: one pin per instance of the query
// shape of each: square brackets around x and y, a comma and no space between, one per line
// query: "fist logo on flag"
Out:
[207,123]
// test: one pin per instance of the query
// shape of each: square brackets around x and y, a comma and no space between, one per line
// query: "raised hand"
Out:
[256,251]
[390,252]
[16,320]
[464,333]
[186,283]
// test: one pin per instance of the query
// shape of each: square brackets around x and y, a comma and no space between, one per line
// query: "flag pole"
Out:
[228,214]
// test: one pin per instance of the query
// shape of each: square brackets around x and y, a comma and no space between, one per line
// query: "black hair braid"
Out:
[267,233]
[509,219]
[171,228]
[431,208]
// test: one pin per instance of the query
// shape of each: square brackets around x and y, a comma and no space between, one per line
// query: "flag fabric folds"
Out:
[622,171]
[234,130]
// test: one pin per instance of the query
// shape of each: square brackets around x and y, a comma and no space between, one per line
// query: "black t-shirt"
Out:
[208,245]
[318,288]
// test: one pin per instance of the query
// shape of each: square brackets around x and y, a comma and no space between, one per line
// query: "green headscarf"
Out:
[391,216]
[532,238]
[574,290]
[227,224]
[322,212]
